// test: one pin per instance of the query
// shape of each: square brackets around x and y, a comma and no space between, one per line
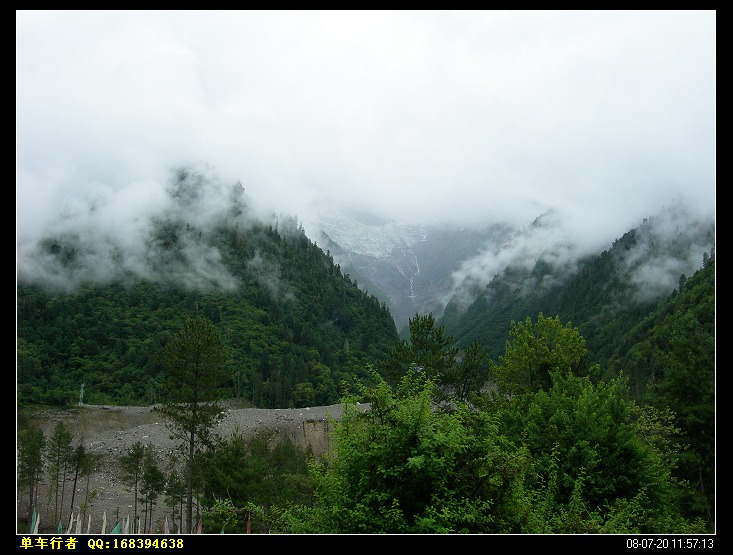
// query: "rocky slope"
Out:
[110,432]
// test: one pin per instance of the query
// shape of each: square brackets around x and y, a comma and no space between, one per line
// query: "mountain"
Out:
[409,267]
[476,281]
[594,292]
[94,308]
[94,311]
[305,323]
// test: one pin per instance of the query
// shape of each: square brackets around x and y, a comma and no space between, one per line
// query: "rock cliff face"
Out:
[316,436]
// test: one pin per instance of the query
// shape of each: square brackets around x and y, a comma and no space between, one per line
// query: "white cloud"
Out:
[418,116]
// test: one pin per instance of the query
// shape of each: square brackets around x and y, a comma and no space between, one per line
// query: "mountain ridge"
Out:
[421,269]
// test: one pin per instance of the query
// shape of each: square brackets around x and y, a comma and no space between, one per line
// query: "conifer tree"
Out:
[132,468]
[31,443]
[429,351]
[58,455]
[195,365]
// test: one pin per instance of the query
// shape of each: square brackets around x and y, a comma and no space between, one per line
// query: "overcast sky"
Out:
[426,117]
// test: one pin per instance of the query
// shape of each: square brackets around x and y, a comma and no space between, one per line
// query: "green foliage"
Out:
[580,435]
[406,466]
[535,352]
[561,454]
[600,295]
[283,299]
[226,518]
[59,456]
[574,456]
[132,471]
[152,484]
[243,473]
[195,364]
[574,428]
[470,373]
[175,493]
[670,356]
[604,428]
[430,351]
[31,446]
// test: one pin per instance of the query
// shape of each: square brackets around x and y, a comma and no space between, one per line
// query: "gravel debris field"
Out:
[110,431]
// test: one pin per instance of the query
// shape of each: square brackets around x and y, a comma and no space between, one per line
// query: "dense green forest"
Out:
[603,295]
[664,347]
[557,445]
[293,347]
[573,407]
[552,447]
[299,327]
[549,449]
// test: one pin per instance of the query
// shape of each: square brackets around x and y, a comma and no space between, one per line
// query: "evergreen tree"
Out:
[470,373]
[31,445]
[152,484]
[81,466]
[175,494]
[58,457]
[428,351]
[195,364]
[132,471]
[686,385]
[261,471]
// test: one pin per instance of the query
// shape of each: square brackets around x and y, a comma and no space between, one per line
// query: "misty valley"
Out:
[519,381]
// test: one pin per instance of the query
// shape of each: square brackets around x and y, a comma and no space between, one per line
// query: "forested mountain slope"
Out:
[603,295]
[299,328]
[669,359]
[663,344]
[93,318]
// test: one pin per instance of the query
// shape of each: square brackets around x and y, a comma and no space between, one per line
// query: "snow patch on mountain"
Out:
[408,266]
[376,241]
